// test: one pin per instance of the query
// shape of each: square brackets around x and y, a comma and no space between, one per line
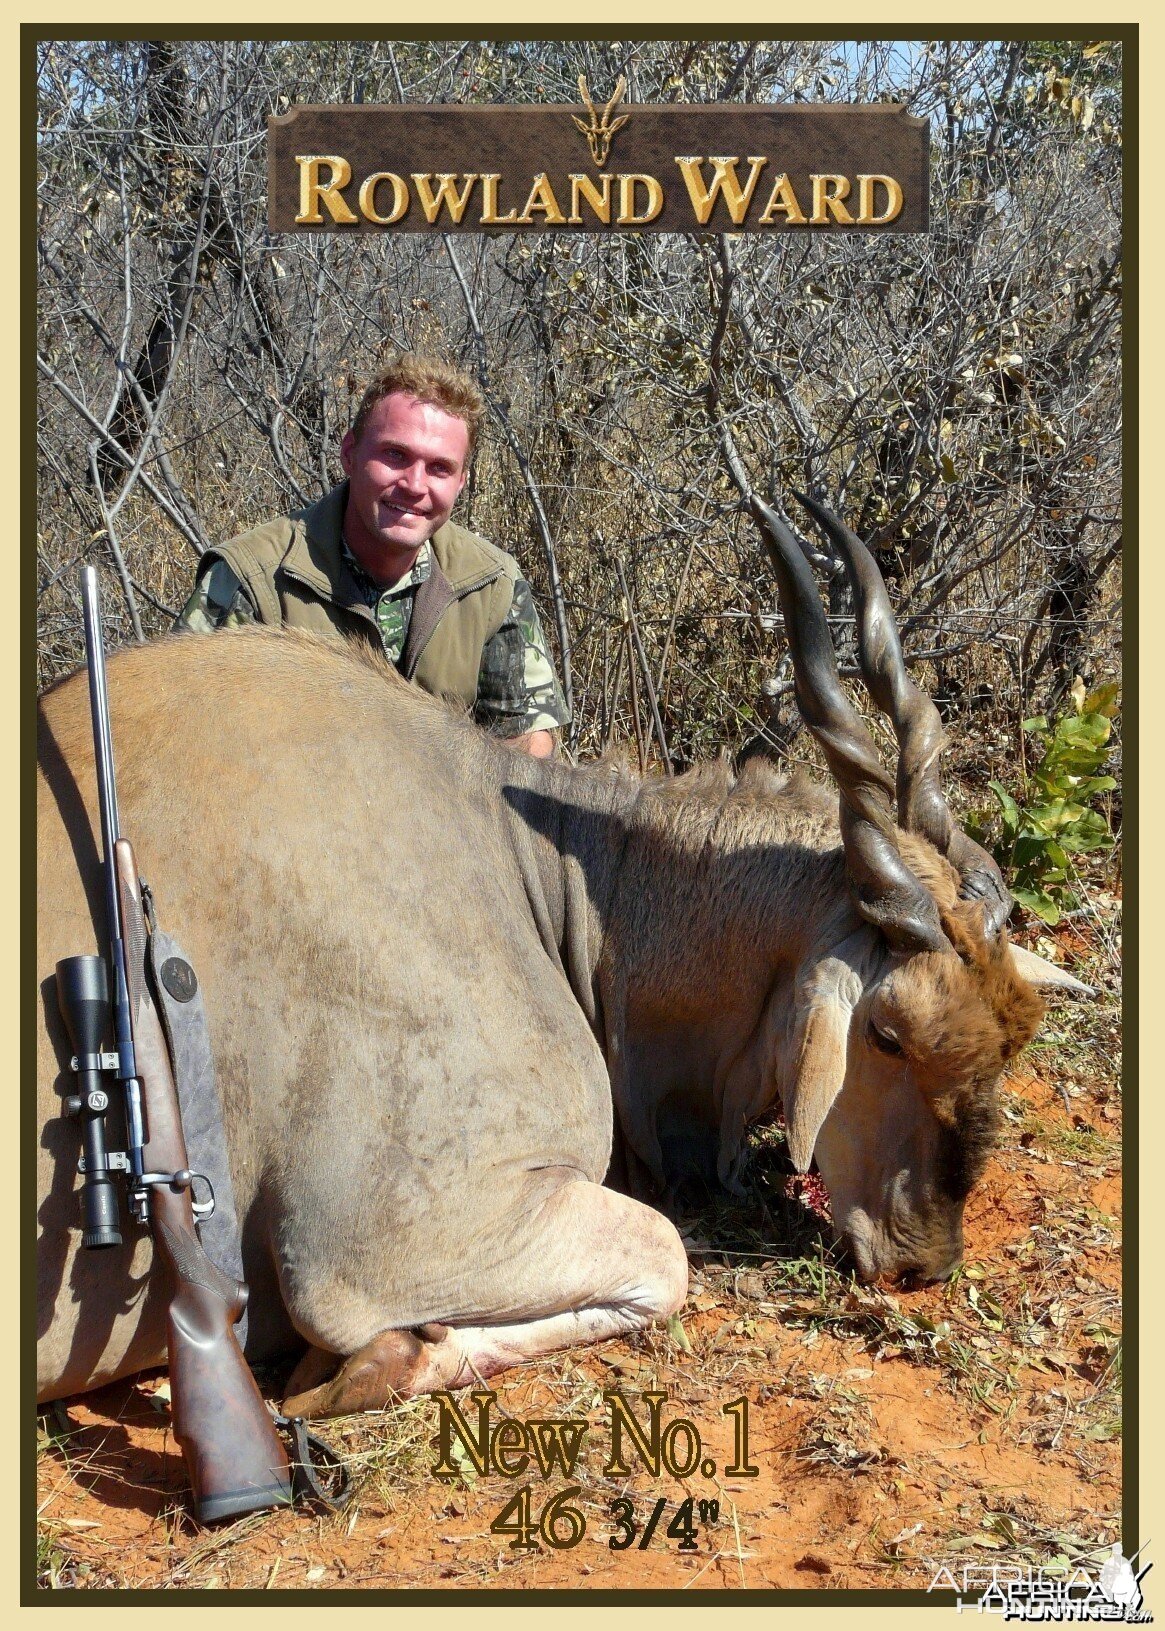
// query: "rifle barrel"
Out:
[110,833]
[102,736]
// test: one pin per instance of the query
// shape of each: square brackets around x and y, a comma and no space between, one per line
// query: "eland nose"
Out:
[938,1265]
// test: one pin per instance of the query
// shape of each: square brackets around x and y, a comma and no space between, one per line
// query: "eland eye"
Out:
[884,1041]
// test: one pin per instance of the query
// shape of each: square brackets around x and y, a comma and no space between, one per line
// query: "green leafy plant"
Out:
[1050,820]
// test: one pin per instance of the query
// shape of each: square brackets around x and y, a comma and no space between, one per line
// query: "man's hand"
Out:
[538,744]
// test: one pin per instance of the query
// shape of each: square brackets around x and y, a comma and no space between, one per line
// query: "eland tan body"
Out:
[438,974]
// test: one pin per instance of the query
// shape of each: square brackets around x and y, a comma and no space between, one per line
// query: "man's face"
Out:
[405,473]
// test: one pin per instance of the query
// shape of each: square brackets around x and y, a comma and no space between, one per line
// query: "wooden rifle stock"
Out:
[235,1458]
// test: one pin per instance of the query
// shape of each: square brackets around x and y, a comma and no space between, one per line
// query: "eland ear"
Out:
[820,1075]
[825,1004]
[1046,976]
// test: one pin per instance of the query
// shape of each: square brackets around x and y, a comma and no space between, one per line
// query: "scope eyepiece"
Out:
[99,1209]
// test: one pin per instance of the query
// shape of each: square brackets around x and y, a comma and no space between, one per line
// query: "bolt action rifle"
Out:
[235,1458]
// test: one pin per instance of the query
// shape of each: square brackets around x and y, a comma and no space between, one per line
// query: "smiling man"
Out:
[378,557]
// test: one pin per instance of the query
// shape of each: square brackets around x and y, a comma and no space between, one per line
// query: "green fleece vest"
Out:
[294,570]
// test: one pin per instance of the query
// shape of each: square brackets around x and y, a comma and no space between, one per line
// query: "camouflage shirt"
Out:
[517,688]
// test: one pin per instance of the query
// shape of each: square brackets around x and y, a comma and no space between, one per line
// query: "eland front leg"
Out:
[587,1265]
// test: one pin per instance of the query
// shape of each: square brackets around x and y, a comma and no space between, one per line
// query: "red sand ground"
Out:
[880,1454]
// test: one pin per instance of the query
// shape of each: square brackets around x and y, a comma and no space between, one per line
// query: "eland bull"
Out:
[438,974]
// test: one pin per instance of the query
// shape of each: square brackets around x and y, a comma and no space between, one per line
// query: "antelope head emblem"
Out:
[598,132]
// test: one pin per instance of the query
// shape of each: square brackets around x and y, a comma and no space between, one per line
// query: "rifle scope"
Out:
[83,998]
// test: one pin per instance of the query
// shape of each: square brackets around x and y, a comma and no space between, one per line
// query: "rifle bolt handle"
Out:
[182,1179]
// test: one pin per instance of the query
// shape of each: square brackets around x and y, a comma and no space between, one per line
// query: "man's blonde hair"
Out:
[429,380]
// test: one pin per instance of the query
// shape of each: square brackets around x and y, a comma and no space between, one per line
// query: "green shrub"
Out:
[1048,820]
